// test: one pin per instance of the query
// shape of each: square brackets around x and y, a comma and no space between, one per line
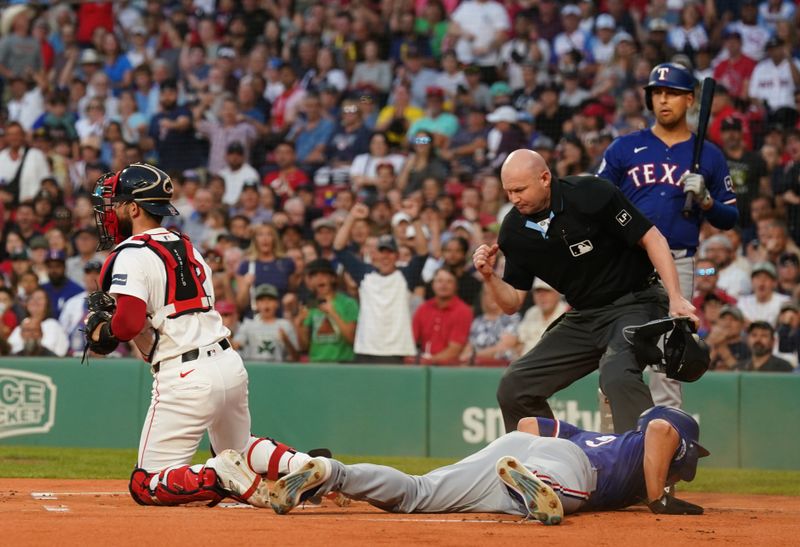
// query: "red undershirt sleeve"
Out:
[128,320]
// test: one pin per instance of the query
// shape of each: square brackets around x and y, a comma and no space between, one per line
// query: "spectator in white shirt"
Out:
[754,36]
[237,173]
[776,78]
[481,27]
[24,105]
[764,304]
[31,165]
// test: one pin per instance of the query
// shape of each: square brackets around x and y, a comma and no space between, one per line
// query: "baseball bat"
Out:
[706,96]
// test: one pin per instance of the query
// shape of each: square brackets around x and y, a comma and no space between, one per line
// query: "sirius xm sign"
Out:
[27,403]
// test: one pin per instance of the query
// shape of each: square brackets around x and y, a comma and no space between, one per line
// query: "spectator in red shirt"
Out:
[734,72]
[92,15]
[441,324]
[288,177]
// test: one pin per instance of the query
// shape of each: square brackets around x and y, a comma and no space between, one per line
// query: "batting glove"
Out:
[667,505]
[694,182]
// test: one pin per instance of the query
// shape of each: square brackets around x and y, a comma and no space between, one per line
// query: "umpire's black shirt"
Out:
[590,252]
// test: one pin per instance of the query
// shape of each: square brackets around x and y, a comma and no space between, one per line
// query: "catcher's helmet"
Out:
[147,186]
[671,75]
[685,356]
[689,450]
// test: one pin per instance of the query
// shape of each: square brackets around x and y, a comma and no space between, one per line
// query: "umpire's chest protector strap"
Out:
[184,292]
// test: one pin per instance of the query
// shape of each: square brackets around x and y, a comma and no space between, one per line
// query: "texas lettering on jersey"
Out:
[655,173]
[648,172]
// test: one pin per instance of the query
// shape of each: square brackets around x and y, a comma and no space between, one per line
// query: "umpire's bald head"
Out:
[526,178]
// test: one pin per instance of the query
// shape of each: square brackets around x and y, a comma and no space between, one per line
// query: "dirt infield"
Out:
[71,512]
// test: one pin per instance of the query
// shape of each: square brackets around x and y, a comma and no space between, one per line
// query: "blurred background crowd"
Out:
[313,143]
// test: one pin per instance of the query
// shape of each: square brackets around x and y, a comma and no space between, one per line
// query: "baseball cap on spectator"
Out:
[225,307]
[472,69]
[141,30]
[413,52]
[543,142]
[623,37]
[323,222]
[571,9]
[169,83]
[730,309]
[54,255]
[732,33]
[788,258]
[400,216]
[463,225]
[235,148]
[658,24]
[500,88]
[434,92]
[266,290]
[191,174]
[320,265]
[525,117]
[605,20]
[250,184]
[38,242]
[549,86]
[226,53]
[786,306]
[91,141]
[92,266]
[387,243]
[764,267]
[90,56]
[731,123]
[775,41]
[85,230]
[503,114]
[19,254]
[539,283]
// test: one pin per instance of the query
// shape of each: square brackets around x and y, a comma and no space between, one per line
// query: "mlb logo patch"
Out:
[581,248]
[623,217]
[119,279]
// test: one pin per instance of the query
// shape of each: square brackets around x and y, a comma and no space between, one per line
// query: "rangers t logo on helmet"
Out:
[670,75]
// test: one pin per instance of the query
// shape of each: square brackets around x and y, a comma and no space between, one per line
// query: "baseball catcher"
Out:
[157,291]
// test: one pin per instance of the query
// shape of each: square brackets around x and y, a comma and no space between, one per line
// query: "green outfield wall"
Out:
[747,419]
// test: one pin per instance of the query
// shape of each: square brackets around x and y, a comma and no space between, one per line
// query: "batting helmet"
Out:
[147,186]
[685,356]
[689,450]
[669,75]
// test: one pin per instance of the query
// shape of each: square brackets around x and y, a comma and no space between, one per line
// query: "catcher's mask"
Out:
[150,187]
[685,356]
[689,448]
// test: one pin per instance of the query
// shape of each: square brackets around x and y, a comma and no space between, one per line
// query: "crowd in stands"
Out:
[337,162]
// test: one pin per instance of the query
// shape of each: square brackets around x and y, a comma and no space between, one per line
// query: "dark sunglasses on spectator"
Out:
[422,140]
[350,109]
[703,272]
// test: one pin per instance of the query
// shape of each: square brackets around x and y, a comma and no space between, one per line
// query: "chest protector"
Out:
[184,292]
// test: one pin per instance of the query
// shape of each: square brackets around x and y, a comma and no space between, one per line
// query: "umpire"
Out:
[586,239]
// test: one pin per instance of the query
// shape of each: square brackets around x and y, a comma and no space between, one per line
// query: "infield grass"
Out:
[95,463]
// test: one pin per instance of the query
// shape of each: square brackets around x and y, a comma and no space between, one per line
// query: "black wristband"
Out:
[105,333]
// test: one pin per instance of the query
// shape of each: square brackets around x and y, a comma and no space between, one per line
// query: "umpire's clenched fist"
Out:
[484,259]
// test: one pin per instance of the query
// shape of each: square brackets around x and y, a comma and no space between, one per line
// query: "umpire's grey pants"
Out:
[578,343]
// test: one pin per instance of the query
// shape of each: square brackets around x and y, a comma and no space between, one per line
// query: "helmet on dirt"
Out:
[671,75]
[689,449]
[147,186]
[685,356]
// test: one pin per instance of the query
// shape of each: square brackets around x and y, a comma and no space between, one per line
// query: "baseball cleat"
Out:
[542,502]
[290,490]
[239,480]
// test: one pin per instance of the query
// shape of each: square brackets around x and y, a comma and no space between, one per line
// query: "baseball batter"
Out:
[544,470]
[653,169]
[163,300]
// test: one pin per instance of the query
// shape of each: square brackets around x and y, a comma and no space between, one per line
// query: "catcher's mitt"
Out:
[107,342]
[101,301]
